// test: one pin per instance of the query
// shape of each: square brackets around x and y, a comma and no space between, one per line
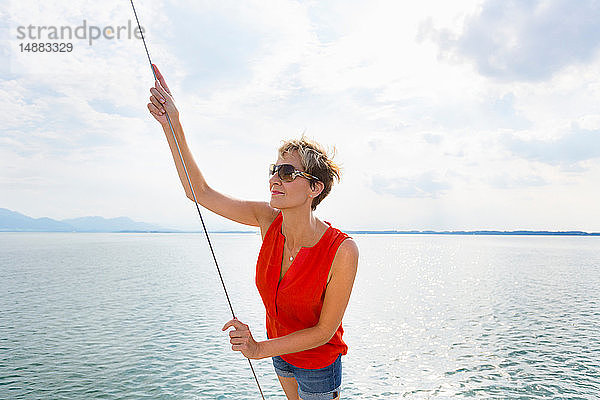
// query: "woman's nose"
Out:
[274,179]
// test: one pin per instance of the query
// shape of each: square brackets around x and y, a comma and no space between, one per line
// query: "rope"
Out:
[192,189]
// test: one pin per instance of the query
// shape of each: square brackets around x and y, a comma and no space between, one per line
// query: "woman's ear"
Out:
[317,188]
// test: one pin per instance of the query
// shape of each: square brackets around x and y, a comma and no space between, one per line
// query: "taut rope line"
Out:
[192,189]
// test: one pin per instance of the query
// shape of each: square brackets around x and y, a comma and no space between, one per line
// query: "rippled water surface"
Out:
[130,316]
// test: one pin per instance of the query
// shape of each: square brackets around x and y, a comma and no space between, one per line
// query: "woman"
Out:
[304,304]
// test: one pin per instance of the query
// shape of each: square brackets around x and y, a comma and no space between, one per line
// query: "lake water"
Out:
[131,316]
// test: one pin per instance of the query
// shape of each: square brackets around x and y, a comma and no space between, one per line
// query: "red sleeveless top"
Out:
[295,303]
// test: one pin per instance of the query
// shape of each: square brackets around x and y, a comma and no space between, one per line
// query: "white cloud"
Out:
[424,185]
[516,40]
[576,146]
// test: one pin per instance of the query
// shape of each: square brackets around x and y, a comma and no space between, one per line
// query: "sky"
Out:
[460,115]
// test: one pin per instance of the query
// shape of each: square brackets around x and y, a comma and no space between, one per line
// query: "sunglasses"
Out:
[288,172]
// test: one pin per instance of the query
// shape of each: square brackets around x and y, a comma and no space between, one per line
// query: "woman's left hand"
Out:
[242,340]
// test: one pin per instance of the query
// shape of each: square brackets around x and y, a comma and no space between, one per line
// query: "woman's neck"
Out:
[300,229]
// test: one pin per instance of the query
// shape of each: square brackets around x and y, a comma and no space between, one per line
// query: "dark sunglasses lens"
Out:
[271,169]
[286,172]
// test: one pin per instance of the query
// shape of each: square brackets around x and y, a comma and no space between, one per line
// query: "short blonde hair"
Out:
[315,161]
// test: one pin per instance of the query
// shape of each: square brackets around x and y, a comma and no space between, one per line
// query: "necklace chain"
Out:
[291,257]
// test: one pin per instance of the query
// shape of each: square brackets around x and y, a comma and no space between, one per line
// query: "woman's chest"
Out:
[286,264]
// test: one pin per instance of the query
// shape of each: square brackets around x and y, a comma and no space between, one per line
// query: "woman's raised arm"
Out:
[255,213]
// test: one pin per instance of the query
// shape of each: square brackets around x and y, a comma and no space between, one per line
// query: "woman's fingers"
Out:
[239,334]
[156,103]
[241,339]
[161,90]
[236,323]
[155,110]
[165,99]
[159,116]
[161,78]
[159,97]
[161,101]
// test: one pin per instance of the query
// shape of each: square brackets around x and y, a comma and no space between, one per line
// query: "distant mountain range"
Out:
[12,221]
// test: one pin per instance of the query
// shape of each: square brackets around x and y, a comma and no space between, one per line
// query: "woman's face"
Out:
[296,193]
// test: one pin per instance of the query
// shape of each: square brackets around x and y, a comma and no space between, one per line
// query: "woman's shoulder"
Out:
[348,248]
[338,233]
[345,261]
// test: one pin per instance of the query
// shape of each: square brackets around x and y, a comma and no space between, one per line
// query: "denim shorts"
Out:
[313,384]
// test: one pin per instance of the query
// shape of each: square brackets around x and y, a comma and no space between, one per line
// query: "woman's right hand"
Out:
[161,100]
